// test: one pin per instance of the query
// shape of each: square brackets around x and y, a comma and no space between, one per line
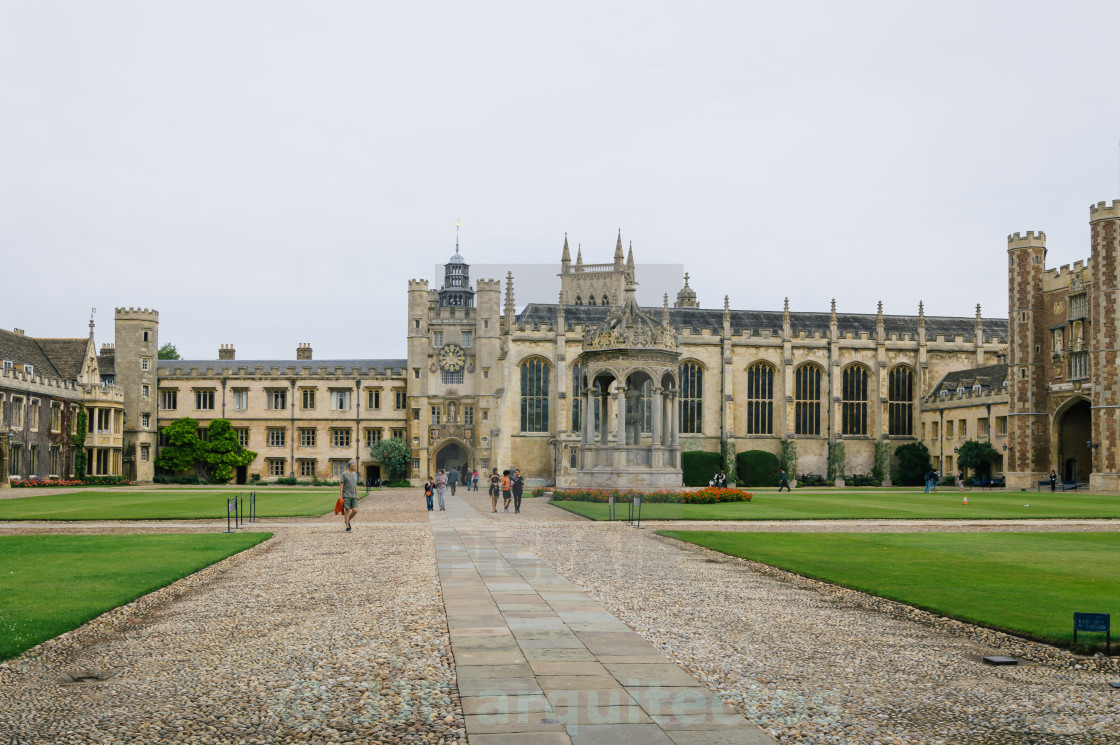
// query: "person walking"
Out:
[784,484]
[507,494]
[453,479]
[429,491]
[517,485]
[348,492]
[441,488]
[927,481]
[495,482]
[960,480]
[474,478]
[934,478]
[1053,480]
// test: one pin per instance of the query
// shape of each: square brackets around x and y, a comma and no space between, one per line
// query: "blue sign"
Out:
[1091,622]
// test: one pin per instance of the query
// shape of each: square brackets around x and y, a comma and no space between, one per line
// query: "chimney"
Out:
[303,351]
[226,352]
[18,332]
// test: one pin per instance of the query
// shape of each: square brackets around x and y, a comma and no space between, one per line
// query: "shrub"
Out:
[911,464]
[398,482]
[698,467]
[87,481]
[702,496]
[862,479]
[163,478]
[287,481]
[758,468]
[812,479]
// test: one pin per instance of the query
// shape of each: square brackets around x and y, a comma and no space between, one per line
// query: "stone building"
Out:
[43,384]
[965,405]
[1064,412]
[493,388]
[304,418]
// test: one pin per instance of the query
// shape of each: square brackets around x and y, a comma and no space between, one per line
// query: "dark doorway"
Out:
[242,474]
[373,476]
[1075,430]
[451,456]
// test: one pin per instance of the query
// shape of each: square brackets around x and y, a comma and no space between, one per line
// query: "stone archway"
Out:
[451,454]
[1074,460]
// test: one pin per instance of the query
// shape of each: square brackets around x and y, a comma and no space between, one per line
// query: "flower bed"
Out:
[701,496]
[91,481]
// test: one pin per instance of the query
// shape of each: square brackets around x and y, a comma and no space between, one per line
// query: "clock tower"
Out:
[456,291]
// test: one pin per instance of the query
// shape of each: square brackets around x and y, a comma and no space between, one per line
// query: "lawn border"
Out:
[1007,642]
[122,616]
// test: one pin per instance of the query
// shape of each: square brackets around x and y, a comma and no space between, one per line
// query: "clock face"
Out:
[452,357]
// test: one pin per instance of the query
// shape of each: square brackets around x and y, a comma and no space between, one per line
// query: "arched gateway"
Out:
[630,359]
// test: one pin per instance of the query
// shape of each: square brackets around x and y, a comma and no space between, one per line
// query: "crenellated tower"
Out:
[1028,442]
[136,335]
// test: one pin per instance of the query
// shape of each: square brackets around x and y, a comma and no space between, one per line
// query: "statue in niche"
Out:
[451,413]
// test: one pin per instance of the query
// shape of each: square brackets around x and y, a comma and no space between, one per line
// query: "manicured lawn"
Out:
[163,504]
[53,583]
[1027,583]
[842,504]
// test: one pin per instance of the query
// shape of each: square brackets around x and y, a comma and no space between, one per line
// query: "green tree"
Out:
[394,456]
[788,457]
[976,456]
[78,441]
[168,352]
[183,451]
[911,464]
[223,452]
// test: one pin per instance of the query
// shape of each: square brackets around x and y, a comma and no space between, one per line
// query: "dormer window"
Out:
[977,389]
[960,390]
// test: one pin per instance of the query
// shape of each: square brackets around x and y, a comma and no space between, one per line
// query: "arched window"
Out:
[577,400]
[591,300]
[807,400]
[534,395]
[579,300]
[853,401]
[692,398]
[605,300]
[760,399]
[900,401]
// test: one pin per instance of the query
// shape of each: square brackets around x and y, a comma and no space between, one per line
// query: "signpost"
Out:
[636,512]
[1099,623]
[231,513]
[610,508]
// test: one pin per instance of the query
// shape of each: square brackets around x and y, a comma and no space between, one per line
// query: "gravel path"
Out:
[814,663]
[319,636]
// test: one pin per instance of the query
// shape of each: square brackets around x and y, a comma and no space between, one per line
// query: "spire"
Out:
[618,248]
[832,315]
[630,256]
[94,310]
[785,312]
[921,314]
[458,224]
[566,256]
[880,326]
[579,254]
[726,311]
[665,311]
[509,293]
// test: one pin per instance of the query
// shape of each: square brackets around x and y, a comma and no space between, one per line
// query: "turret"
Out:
[565,259]
[136,335]
[1104,225]
[1028,441]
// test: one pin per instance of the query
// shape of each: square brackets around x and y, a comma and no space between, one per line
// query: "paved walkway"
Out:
[538,660]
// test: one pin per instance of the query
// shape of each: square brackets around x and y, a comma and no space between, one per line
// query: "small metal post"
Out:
[241,510]
[638,503]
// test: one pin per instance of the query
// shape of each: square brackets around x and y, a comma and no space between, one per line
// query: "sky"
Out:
[270,173]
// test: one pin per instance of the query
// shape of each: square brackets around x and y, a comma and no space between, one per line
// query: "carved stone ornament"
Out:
[628,327]
[1077,282]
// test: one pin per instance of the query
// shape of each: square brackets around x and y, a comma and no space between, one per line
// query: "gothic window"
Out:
[579,300]
[900,401]
[534,395]
[807,400]
[853,401]
[1079,365]
[605,301]
[692,398]
[760,399]
[591,300]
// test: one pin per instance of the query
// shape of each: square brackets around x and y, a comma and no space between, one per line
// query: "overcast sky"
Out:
[269,173]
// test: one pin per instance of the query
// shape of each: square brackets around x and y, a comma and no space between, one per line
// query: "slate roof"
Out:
[992,376]
[61,359]
[107,363]
[231,367]
[67,355]
[756,320]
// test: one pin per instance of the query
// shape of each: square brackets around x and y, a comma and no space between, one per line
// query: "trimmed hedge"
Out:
[757,468]
[703,496]
[698,467]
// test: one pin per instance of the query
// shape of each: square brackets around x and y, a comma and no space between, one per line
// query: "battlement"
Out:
[108,346]
[137,314]
[1063,274]
[489,284]
[1030,240]
[1104,211]
[415,285]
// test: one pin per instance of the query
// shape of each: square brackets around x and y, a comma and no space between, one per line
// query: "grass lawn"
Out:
[163,504]
[53,583]
[843,504]
[1026,583]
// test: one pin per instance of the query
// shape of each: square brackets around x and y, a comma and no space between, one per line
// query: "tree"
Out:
[186,452]
[911,464]
[223,452]
[168,352]
[394,456]
[976,456]
[183,451]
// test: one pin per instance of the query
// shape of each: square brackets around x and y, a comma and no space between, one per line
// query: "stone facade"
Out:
[135,355]
[43,384]
[749,378]
[303,418]
[968,404]
[1065,395]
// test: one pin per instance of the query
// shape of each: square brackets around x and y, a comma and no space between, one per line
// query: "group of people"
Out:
[719,481]
[509,485]
[932,479]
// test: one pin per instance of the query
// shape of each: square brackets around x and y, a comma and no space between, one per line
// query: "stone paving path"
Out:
[538,660]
